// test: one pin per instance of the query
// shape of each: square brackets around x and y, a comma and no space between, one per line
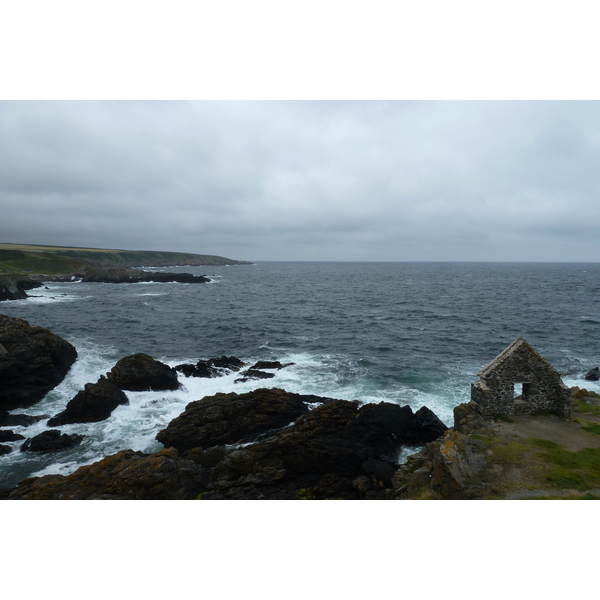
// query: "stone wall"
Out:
[520,366]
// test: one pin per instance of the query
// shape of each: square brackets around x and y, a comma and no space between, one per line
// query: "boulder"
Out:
[7,435]
[34,362]
[231,418]
[127,475]
[593,375]
[5,449]
[51,440]
[8,420]
[140,372]
[94,403]
[425,427]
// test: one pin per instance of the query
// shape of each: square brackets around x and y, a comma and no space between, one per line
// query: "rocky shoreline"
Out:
[267,444]
[273,444]
[15,288]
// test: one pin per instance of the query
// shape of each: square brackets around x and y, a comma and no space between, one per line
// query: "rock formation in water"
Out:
[140,372]
[14,288]
[128,275]
[94,403]
[337,450]
[33,361]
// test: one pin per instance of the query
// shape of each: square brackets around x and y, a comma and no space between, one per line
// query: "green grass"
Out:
[579,470]
[586,408]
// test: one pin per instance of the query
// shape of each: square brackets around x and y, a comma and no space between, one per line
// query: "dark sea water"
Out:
[411,333]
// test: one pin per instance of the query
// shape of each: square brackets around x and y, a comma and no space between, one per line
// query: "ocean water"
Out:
[411,333]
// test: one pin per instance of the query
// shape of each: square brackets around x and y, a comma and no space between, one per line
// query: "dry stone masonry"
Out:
[519,381]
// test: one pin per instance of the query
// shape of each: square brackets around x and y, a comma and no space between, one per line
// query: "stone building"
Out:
[519,381]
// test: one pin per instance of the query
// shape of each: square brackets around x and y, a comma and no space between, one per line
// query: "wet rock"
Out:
[214,367]
[127,475]
[129,275]
[9,420]
[140,372]
[94,403]
[7,435]
[267,364]
[231,418]
[5,449]
[34,362]
[251,374]
[593,374]
[51,440]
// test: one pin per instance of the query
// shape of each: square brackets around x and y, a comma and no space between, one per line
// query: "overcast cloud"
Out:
[487,181]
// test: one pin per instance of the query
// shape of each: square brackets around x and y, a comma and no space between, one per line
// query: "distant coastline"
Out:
[29,259]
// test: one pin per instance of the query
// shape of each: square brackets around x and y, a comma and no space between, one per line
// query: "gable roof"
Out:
[510,349]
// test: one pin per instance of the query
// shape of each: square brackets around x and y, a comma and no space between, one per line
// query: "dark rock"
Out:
[140,372]
[379,471]
[8,420]
[267,364]
[593,375]
[129,275]
[127,475]
[94,403]
[33,362]
[5,449]
[231,363]
[51,440]
[251,374]
[231,418]
[214,367]
[323,455]
[425,428]
[6,435]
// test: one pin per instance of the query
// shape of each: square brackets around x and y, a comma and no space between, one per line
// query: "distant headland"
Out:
[55,260]
[23,267]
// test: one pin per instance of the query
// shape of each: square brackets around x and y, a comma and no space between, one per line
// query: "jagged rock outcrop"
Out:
[593,374]
[319,456]
[450,468]
[94,403]
[51,440]
[128,275]
[33,361]
[127,475]
[15,289]
[231,418]
[140,372]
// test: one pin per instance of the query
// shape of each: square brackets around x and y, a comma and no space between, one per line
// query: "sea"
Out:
[413,333]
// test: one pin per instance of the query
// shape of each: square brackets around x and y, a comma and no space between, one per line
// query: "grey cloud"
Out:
[304,180]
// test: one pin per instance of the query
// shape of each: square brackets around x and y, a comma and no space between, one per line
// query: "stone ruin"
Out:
[519,381]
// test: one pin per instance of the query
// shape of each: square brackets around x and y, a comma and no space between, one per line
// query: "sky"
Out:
[306,180]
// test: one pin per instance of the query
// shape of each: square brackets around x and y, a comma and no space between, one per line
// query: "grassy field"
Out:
[24,258]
